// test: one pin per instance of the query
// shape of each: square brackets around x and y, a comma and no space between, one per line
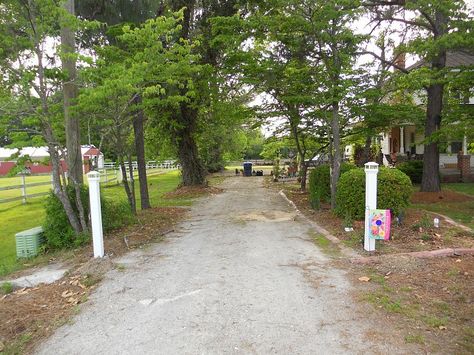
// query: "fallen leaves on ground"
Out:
[36,312]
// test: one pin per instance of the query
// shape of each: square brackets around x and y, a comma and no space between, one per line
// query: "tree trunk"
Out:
[132,185]
[336,161]
[303,173]
[430,181]
[368,143]
[193,172]
[126,186]
[73,137]
[138,123]
[72,123]
[80,208]
[59,191]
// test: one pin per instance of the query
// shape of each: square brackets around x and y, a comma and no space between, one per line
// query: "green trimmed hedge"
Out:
[393,192]
[59,233]
[414,170]
[320,183]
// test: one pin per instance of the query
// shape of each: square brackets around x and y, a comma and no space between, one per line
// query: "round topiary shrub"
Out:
[414,170]
[320,183]
[393,192]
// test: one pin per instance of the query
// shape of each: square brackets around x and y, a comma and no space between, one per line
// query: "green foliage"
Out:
[115,213]
[6,288]
[57,230]
[414,170]
[320,183]
[59,233]
[393,192]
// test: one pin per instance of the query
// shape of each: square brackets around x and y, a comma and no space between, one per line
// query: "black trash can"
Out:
[247,169]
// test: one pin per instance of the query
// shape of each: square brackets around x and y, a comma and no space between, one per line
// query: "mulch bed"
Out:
[31,314]
[431,301]
[442,196]
[415,233]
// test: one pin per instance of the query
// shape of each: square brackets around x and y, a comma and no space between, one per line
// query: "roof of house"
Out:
[33,152]
[89,150]
[453,60]
[42,152]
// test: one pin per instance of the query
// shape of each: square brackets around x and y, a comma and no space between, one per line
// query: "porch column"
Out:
[402,140]
[464,145]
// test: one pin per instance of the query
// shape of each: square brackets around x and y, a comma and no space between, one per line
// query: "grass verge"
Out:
[16,217]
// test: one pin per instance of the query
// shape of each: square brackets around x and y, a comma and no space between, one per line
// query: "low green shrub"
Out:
[115,214]
[320,183]
[414,170]
[393,192]
[58,231]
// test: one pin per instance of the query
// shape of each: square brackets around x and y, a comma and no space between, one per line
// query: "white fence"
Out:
[166,164]
[24,187]
[108,175]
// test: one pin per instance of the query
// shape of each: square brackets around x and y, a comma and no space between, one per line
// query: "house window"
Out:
[456,147]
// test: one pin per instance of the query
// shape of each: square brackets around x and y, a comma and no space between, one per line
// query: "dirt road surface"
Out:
[240,276]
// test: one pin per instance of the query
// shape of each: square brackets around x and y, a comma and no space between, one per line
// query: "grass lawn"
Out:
[462,212]
[17,217]
[463,187]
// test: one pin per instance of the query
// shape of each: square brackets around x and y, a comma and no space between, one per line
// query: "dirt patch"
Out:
[193,192]
[267,216]
[32,314]
[442,196]
[430,299]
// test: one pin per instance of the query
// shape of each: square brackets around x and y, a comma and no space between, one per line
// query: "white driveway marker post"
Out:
[371,171]
[96,213]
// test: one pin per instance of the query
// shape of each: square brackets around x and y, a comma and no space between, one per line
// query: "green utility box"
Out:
[28,242]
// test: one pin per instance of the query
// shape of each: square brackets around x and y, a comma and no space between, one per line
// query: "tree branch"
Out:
[388,62]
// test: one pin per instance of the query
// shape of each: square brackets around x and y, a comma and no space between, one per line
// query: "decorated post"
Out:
[96,213]
[371,171]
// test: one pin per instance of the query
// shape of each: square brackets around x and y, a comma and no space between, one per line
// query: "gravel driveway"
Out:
[240,276]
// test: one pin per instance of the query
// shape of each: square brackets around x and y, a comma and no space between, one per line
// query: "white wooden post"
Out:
[371,171]
[96,213]
[464,145]
[119,175]
[23,188]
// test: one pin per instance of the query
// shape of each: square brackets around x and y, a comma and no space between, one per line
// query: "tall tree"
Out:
[114,15]
[72,122]
[34,80]
[139,135]
[299,53]
[437,27]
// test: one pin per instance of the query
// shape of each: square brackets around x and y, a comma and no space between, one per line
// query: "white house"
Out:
[405,140]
